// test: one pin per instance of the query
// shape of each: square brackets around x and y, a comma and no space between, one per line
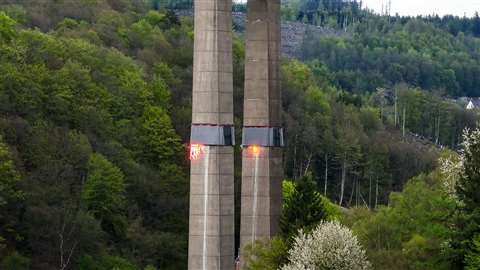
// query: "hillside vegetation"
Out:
[95,109]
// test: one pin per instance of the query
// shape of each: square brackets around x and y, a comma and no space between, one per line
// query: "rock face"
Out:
[293,33]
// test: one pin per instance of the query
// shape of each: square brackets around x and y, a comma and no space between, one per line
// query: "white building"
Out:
[473,104]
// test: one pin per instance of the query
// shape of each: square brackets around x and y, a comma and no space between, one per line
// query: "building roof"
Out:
[473,103]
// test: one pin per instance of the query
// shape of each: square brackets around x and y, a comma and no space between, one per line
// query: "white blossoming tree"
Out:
[331,246]
[452,166]
[451,169]
[462,176]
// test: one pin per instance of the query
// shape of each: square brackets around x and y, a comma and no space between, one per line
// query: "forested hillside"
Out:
[436,54]
[93,166]
[95,107]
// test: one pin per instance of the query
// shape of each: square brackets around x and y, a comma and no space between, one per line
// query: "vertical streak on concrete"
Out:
[211,232]
[262,108]
[205,208]
[255,198]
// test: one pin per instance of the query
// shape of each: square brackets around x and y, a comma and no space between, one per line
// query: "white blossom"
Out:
[452,168]
[330,246]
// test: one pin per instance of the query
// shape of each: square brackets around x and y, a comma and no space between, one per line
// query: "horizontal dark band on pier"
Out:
[263,136]
[212,134]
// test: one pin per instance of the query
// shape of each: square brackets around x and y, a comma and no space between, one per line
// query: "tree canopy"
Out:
[95,103]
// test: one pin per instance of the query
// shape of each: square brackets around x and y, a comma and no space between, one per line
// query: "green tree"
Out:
[297,75]
[104,194]
[160,93]
[7,27]
[162,144]
[10,194]
[413,230]
[105,262]
[15,261]
[79,86]
[472,260]
[468,223]
[16,12]
[305,208]
[266,254]
[9,177]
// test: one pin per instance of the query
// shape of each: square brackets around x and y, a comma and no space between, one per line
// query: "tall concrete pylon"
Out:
[262,169]
[211,232]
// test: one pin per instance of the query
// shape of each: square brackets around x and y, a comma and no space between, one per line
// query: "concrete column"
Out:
[262,169]
[211,233]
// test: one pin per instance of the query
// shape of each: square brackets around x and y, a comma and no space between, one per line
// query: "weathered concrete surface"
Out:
[261,194]
[211,233]
[262,97]
[261,171]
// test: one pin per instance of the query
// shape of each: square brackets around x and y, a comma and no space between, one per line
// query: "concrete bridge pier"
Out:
[211,232]
[262,169]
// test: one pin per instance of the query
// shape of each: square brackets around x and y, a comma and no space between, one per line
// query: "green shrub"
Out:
[265,254]
[15,261]
[105,262]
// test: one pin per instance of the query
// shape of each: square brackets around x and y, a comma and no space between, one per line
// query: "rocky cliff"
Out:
[293,33]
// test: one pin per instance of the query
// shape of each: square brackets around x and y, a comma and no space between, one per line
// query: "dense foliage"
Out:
[472,258]
[332,13]
[95,102]
[467,221]
[304,207]
[381,55]
[265,254]
[357,152]
[91,167]
[346,14]
[413,231]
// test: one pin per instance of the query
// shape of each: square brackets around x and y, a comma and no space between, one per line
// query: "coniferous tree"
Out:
[472,260]
[304,209]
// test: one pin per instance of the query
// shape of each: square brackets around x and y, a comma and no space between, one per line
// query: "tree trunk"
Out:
[344,175]
[357,201]
[376,194]
[370,193]
[66,253]
[381,111]
[354,185]
[403,125]
[396,109]
[307,166]
[326,176]
[295,158]
[437,140]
